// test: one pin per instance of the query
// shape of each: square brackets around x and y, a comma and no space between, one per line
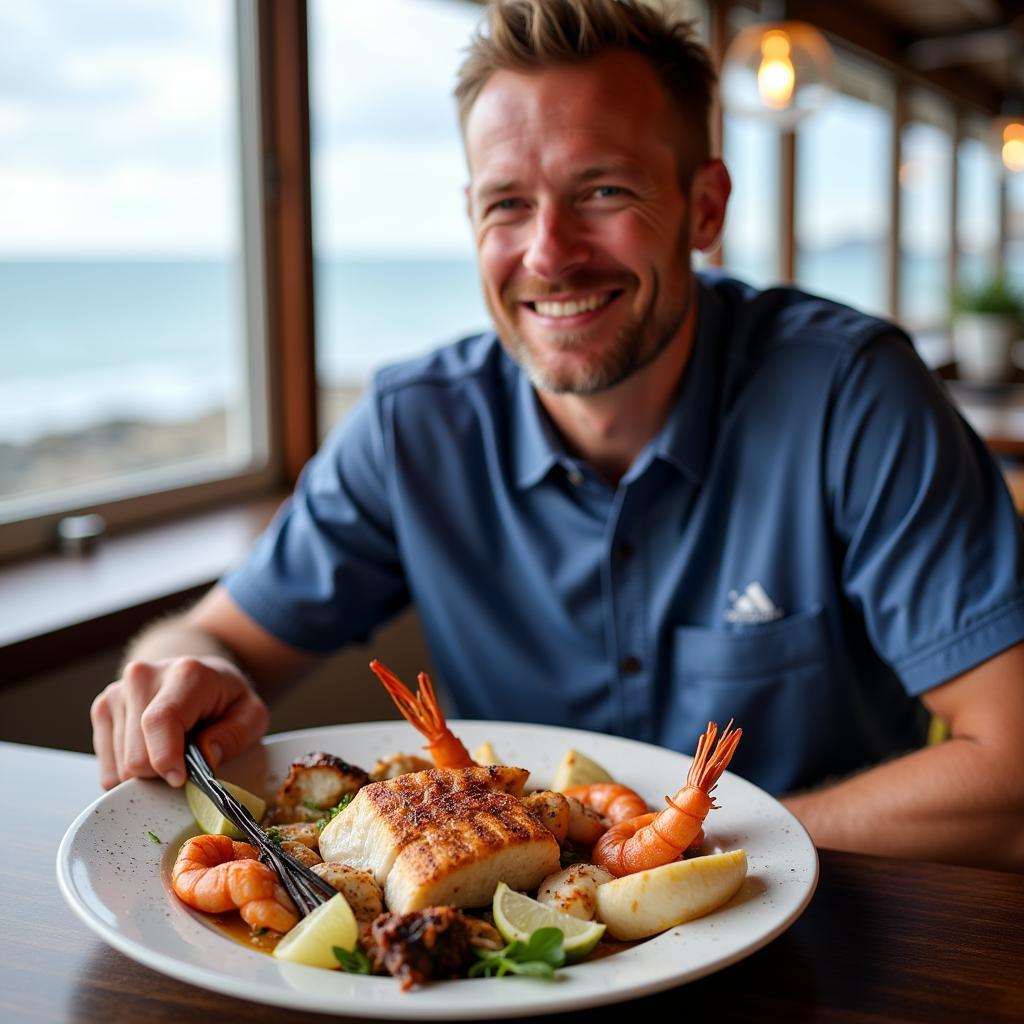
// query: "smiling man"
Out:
[649,498]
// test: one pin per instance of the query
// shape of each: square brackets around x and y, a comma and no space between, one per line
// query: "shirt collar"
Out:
[537,446]
[686,438]
[684,441]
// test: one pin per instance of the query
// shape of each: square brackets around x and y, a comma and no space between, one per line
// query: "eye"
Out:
[508,205]
[608,192]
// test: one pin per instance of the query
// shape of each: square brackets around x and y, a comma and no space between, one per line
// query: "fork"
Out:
[307,890]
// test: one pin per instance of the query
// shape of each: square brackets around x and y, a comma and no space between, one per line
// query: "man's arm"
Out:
[209,665]
[959,801]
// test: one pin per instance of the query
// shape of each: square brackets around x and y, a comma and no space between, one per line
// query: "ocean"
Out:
[87,342]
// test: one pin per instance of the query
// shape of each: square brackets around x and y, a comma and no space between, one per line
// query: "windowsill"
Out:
[58,608]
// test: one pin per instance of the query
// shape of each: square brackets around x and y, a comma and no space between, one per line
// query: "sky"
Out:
[118,136]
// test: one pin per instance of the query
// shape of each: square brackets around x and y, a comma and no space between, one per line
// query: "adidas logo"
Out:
[753,605]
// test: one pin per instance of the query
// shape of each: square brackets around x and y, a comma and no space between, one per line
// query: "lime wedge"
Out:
[312,940]
[210,820]
[517,917]
[576,769]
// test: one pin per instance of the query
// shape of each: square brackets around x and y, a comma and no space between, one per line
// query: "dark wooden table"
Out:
[882,940]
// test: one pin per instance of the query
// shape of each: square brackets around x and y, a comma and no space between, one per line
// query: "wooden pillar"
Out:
[291,327]
[787,206]
[899,120]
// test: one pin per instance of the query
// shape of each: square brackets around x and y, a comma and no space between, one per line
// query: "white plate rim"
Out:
[776,893]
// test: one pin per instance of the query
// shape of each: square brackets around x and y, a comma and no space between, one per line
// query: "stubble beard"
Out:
[638,342]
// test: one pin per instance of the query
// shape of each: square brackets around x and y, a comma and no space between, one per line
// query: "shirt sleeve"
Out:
[326,572]
[930,541]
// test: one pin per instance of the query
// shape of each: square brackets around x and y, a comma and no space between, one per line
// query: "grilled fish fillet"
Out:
[443,836]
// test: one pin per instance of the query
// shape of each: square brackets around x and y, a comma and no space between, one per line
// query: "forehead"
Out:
[611,106]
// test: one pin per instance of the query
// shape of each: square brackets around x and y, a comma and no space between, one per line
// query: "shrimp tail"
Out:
[423,713]
[708,766]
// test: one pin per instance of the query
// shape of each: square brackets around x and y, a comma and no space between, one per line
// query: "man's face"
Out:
[582,230]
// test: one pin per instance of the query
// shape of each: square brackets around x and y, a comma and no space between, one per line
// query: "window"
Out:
[1015,231]
[750,148]
[130,317]
[926,181]
[395,265]
[752,227]
[977,223]
[842,191]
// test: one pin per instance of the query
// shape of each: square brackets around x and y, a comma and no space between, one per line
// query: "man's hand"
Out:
[139,722]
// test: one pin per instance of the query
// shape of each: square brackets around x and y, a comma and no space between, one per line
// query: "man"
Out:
[652,499]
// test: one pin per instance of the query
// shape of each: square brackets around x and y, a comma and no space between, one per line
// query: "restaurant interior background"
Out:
[219,217]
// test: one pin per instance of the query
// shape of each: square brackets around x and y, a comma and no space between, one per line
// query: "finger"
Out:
[190,692]
[117,729]
[244,722]
[103,740]
[139,682]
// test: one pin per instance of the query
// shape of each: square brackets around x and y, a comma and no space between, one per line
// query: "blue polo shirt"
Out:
[813,538]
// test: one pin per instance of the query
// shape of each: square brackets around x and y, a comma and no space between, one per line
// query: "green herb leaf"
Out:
[153,837]
[311,805]
[356,962]
[537,958]
[334,812]
[274,835]
[546,944]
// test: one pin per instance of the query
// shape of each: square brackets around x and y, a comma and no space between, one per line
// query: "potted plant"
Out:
[987,320]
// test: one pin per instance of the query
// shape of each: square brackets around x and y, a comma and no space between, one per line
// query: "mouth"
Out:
[572,308]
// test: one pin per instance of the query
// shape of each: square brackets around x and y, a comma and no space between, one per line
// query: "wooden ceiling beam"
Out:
[864,29]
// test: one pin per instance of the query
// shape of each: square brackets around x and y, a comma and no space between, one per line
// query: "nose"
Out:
[556,246]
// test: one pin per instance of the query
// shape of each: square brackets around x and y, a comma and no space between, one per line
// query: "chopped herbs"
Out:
[274,835]
[259,931]
[312,805]
[154,838]
[356,962]
[537,958]
[334,812]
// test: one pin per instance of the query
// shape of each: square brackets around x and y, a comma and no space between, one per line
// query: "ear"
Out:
[709,195]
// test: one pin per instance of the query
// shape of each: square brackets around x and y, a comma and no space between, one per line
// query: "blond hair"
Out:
[531,35]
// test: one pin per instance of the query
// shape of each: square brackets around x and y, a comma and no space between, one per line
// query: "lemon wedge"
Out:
[517,917]
[210,820]
[312,940]
[485,754]
[576,769]
[648,902]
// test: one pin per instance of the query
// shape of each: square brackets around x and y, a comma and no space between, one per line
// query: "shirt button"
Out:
[574,476]
[630,665]
[622,551]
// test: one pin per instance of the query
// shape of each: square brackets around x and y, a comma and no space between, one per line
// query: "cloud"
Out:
[118,125]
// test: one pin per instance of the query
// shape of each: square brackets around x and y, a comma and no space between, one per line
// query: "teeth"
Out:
[571,308]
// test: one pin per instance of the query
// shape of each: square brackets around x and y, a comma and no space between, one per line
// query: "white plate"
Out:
[117,879]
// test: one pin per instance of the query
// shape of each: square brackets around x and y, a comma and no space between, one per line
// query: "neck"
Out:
[609,429]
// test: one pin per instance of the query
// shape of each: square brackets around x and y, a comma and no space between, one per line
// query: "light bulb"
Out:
[775,74]
[1013,146]
[780,72]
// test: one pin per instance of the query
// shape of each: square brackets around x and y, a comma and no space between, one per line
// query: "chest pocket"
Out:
[774,679]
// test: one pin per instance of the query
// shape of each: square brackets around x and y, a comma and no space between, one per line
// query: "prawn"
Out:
[650,840]
[216,874]
[423,713]
[612,800]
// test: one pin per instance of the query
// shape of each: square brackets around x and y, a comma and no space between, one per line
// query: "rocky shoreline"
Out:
[122,447]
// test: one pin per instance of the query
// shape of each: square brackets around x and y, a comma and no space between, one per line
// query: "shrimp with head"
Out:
[216,874]
[650,840]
